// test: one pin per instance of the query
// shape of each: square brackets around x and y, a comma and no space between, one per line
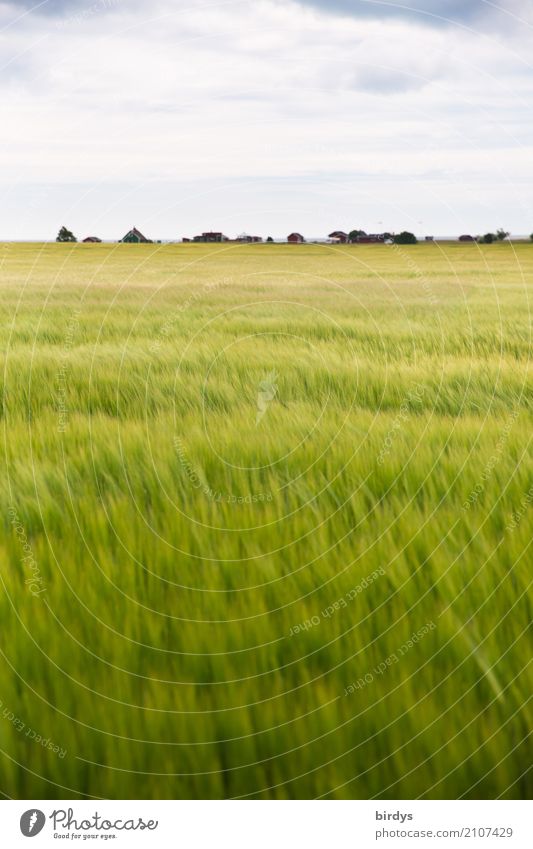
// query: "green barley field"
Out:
[267,521]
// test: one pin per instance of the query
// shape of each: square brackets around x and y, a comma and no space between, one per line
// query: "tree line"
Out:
[403,238]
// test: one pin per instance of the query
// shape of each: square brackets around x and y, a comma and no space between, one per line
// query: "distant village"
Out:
[337,237]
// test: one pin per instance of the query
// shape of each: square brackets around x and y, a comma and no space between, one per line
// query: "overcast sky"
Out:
[265,116]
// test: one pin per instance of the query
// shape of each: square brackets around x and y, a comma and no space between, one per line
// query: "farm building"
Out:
[91,239]
[211,237]
[295,238]
[371,239]
[466,239]
[246,239]
[339,236]
[135,236]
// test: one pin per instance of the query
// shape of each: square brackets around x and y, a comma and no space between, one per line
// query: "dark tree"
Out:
[354,234]
[405,238]
[65,235]
[488,238]
[270,239]
[501,234]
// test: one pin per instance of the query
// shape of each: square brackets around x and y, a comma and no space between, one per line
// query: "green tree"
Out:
[501,234]
[270,239]
[65,235]
[352,236]
[488,238]
[405,238]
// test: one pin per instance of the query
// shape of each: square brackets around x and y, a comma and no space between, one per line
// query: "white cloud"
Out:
[255,92]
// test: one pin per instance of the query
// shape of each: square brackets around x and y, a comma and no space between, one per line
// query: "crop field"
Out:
[266,521]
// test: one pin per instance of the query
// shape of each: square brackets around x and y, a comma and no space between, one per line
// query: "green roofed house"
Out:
[135,235]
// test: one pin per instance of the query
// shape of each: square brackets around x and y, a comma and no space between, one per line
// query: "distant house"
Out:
[135,236]
[371,239]
[430,238]
[295,239]
[92,239]
[244,238]
[211,237]
[339,236]
[466,239]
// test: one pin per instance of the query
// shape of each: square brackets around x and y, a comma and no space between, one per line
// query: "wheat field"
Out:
[266,521]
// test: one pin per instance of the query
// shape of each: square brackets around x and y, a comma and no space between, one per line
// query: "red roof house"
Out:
[211,237]
[339,236]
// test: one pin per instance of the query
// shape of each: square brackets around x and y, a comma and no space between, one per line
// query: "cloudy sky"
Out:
[265,116]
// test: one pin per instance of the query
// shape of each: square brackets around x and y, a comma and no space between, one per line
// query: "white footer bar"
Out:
[268,824]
